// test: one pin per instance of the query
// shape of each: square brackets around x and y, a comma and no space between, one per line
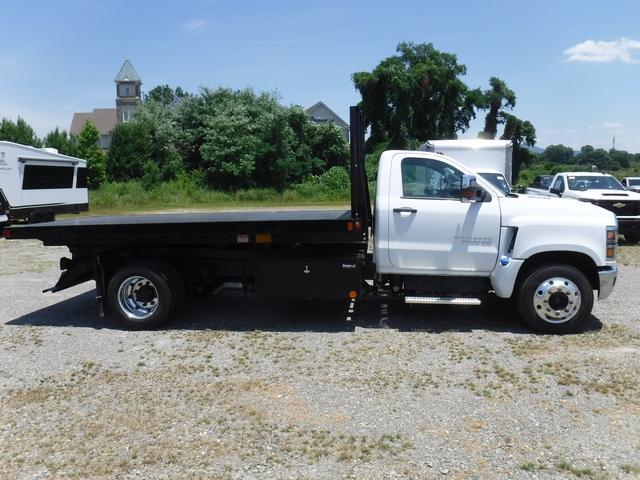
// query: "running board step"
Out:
[443,300]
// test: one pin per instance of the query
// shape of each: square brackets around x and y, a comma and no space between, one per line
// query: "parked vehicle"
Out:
[631,183]
[37,183]
[441,235]
[540,185]
[604,191]
[476,154]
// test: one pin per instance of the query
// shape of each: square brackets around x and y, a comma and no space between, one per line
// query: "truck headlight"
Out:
[612,243]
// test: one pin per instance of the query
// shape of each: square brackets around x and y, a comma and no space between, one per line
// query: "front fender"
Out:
[588,240]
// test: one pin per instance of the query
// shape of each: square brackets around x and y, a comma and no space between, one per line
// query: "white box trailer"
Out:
[37,183]
[482,156]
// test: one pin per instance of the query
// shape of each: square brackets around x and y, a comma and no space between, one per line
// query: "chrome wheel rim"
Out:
[138,297]
[557,300]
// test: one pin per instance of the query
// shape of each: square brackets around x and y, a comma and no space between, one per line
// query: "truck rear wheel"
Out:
[144,294]
[555,299]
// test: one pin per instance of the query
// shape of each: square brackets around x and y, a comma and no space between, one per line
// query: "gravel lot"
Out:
[241,388]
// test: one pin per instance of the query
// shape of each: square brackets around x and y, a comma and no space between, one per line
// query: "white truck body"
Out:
[477,154]
[36,183]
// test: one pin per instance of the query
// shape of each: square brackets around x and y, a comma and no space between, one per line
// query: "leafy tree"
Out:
[241,139]
[130,151]
[416,95]
[621,157]
[521,133]
[89,149]
[590,157]
[18,132]
[231,139]
[497,99]
[61,141]
[558,154]
[164,94]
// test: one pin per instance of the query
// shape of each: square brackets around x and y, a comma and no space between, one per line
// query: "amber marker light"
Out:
[263,238]
[353,294]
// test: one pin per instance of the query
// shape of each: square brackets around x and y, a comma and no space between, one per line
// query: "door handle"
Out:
[405,210]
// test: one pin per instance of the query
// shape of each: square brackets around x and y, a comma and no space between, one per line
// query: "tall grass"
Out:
[185,193]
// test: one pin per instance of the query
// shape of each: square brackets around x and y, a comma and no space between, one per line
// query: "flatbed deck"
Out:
[233,227]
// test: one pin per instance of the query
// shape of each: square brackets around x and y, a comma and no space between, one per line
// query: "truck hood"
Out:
[551,211]
[606,195]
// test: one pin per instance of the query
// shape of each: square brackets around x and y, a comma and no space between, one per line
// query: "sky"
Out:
[574,65]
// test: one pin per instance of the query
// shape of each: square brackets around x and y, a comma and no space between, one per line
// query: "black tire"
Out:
[145,294]
[538,291]
[632,237]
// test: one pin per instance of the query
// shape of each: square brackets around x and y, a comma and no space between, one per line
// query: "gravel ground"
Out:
[242,388]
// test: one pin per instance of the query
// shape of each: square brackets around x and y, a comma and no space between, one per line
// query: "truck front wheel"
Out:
[144,295]
[555,299]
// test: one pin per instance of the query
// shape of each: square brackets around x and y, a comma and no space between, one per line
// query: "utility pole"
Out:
[613,144]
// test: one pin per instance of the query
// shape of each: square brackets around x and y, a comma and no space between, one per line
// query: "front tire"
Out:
[555,299]
[144,295]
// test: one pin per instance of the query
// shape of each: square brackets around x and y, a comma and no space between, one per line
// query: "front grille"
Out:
[630,208]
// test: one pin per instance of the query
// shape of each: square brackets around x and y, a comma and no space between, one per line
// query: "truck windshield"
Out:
[498,181]
[588,182]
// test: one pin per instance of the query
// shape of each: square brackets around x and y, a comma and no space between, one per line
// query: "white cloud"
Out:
[195,24]
[602,52]
[613,125]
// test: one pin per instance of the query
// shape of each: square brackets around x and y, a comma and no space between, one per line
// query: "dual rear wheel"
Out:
[145,294]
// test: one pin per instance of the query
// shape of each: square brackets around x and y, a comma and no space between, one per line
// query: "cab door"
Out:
[430,229]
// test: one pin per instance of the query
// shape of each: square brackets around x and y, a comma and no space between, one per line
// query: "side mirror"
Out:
[471,192]
[555,191]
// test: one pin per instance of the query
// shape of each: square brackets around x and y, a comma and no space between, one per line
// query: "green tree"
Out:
[590,156]
[61,141]
[89,149]
[416,95]
[164,94]
[130,151]
[558,154]
[496,100]
[522,134]
[18,132]
[621,158]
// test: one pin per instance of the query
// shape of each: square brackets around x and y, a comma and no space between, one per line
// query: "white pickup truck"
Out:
[604,191]
[441,235]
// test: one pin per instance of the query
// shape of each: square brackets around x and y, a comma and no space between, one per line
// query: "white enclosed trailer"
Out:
[37,183]
[479,155]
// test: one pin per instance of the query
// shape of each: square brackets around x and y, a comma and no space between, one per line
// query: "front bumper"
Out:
[607,281]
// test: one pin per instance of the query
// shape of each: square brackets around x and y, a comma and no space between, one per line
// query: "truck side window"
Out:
[427,178]
[559,184]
